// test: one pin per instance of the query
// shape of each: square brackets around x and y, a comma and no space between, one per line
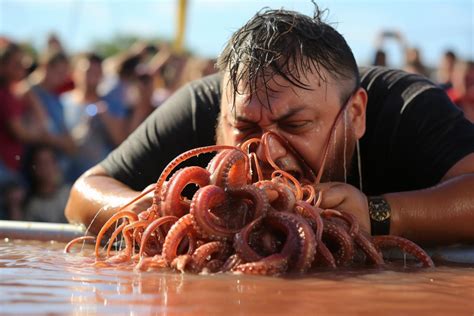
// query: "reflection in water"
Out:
[36,277]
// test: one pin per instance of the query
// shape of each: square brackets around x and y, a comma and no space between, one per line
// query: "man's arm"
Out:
[440,214]
[96,196]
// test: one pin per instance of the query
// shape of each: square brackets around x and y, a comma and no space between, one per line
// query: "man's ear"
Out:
[357,109]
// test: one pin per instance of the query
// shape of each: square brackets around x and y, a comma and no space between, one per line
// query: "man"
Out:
[295,75]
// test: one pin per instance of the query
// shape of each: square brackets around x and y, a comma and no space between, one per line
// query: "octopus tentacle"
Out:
[130,215]
[69,245]
[242,242]
[304,234]
[406,245]
[203,253]
[368,248]
[232,170]
[347,217]
[255,195]
[271,265]
[297,186]
[204,222]
[285,198]
[181,158]
[345,250]
[231,263]
[152,227]
[114,235]
[155,262]
[172,203]
[175,235]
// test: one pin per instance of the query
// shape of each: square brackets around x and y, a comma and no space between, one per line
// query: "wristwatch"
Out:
[379,211]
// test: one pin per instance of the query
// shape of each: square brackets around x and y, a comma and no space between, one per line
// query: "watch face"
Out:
[380,216]
[379,210]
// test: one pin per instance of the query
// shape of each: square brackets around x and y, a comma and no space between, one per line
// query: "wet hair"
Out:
[288,44]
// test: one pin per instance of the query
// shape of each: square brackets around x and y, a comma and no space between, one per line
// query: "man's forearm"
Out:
[95,197]
[442,214]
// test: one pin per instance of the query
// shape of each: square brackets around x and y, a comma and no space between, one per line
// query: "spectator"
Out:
[446,69]
[118,90]
[380,58]
[48,194]
[12,200]
[462,92]
[52,72]
[414,63]
[96,126]
[19,124]
[131,91]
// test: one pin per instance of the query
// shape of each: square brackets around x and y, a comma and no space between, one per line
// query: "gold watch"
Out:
[379,211]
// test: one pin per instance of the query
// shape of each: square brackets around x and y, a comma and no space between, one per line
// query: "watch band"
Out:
[380,212]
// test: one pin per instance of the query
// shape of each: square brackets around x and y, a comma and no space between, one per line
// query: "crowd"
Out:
[62,114]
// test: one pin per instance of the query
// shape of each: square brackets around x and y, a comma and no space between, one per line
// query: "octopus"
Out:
[241,222]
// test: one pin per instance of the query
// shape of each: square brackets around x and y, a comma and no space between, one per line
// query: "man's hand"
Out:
[344,197]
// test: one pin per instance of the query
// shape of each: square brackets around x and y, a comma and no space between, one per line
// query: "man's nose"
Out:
[271,150]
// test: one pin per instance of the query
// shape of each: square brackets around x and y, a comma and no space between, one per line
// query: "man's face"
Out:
[303,117]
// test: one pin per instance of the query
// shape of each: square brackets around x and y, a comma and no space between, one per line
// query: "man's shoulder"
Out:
[211,84]
[395,87]
[375,77]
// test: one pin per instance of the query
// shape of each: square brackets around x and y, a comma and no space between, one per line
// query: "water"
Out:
[38,278]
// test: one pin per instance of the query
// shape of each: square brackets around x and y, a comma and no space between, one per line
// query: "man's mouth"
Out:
[268,172]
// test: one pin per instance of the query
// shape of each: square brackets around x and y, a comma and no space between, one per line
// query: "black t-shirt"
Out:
[414,134]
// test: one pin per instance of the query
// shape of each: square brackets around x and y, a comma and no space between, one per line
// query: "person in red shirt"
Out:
[462,91]
[20,123]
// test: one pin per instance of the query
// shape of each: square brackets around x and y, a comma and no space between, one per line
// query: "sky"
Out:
[431,25]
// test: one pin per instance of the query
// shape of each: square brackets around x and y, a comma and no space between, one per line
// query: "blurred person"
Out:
[40,90]
[462,91]
[130,90]
[380,58]
[54,45]
[144,105]
[414,63]
[48,193]
[13,131]
[96,126]
[197,67]
[12,202]
[20,124]
[446,69]
[171,74]
[412,57]
[118,89]
[144,51]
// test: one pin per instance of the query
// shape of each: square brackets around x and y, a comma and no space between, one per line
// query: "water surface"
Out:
[38,278]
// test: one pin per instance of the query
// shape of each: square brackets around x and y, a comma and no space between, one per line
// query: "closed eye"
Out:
[295,126]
